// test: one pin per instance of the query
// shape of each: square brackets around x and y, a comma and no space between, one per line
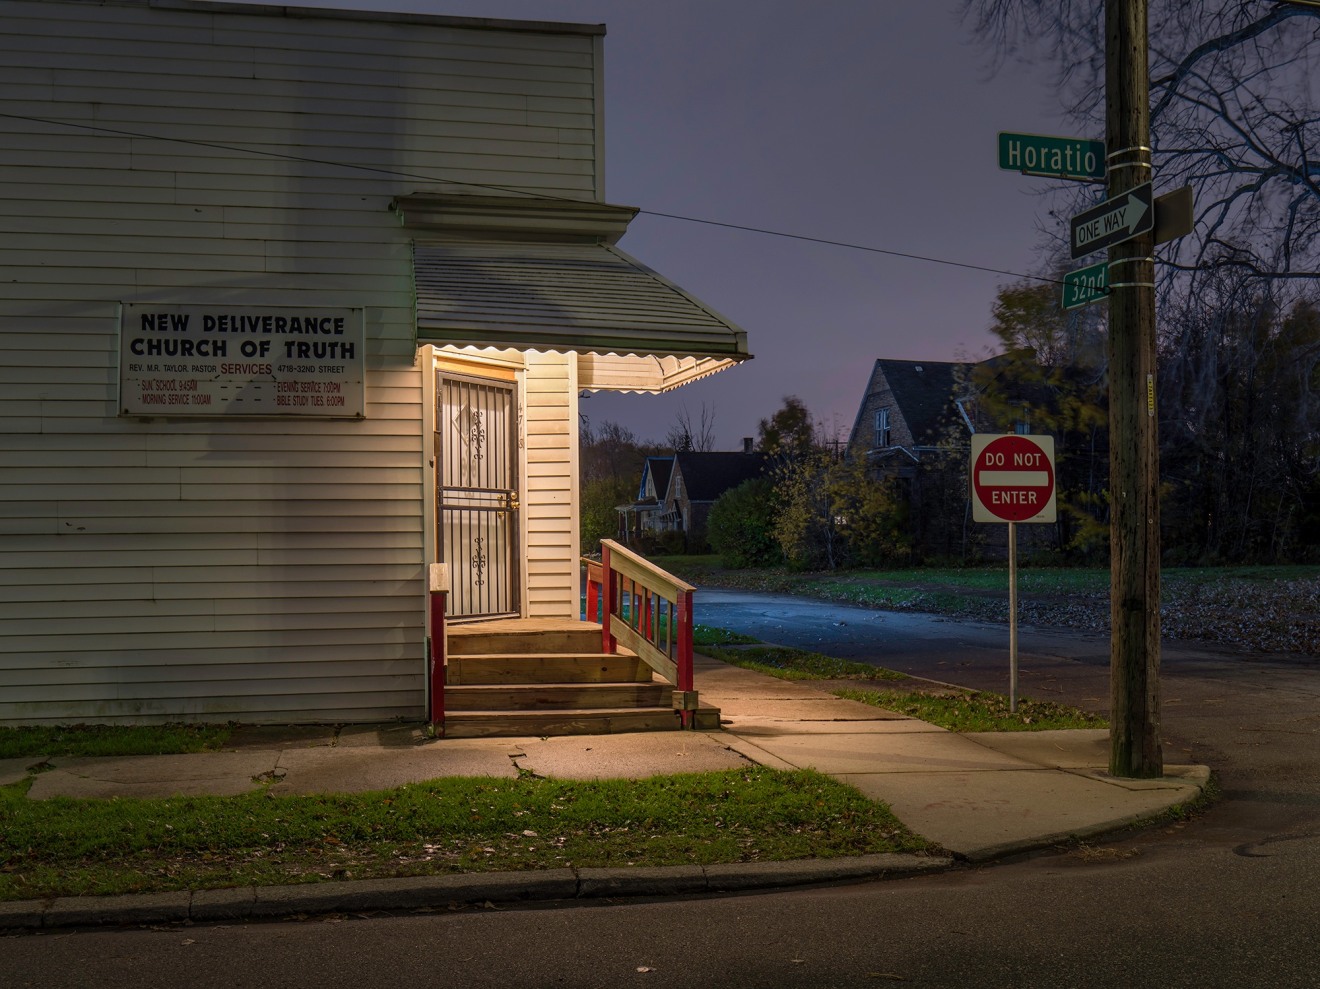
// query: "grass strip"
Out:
[709,635]
[108,740]
[798,664]
[972,710]
[76,847]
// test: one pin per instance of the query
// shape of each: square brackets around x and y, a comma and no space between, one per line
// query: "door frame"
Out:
[498,374]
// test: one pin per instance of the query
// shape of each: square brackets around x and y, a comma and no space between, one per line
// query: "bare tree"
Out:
[610,467]
[1235,114]
[1240,401]
[611,452]
[691,434]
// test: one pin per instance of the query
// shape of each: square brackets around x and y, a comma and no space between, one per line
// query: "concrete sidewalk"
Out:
[979,796]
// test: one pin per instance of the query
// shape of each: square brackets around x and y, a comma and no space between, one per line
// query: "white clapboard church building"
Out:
[295,304]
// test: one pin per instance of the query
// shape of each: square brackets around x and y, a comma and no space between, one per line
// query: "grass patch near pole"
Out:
[66,847]
[967,711]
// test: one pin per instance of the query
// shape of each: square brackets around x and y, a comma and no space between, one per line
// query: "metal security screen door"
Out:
[477,463]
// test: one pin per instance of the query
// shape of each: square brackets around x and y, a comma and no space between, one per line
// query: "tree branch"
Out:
[1171,81]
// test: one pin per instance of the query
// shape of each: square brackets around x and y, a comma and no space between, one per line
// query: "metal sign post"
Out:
[1012,480]
[1012,618]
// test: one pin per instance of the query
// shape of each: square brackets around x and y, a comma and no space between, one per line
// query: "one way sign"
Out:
[1113,221]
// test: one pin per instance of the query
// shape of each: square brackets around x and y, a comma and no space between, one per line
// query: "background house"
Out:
[642,520]
[908,409]
[678,493]
[914,424]
[913,421]
[697,481]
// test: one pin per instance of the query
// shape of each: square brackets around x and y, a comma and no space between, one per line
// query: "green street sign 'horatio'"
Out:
[1055,157]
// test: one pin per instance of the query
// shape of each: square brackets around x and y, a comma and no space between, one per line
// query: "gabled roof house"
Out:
[696,483]
[646,514]
[914,425]
[908,408]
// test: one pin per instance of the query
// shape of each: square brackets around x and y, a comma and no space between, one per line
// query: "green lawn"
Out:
[105,740]
[76,847]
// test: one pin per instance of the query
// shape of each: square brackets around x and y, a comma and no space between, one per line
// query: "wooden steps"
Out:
[525,668]
[510,678]
[557,696]
[494,724]
[523,636]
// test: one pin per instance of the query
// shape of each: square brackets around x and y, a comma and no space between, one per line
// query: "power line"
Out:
[396,173]
[849,246]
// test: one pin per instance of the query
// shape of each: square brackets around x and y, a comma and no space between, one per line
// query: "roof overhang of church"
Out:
[545,275]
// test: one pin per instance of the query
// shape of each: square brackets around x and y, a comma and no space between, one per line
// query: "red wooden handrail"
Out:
[632,597]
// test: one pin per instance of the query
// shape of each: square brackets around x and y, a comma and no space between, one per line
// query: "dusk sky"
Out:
[871,123]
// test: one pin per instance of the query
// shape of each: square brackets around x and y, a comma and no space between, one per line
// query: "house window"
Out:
[1022,428]
[881,428]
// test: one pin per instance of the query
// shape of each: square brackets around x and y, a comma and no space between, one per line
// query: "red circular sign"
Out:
[1013,478]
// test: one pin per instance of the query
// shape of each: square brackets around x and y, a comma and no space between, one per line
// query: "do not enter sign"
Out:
[1012,478]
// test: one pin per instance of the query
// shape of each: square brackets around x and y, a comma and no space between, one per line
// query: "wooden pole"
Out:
[1135,745]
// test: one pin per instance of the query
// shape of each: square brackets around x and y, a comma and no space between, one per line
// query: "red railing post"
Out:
[609,586]
[438,588]
[593,591]
[684,643]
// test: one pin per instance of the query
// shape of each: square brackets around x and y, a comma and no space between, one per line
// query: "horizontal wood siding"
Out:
[550,486]
[263,570]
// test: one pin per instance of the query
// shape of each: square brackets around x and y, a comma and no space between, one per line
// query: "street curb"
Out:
[431,892]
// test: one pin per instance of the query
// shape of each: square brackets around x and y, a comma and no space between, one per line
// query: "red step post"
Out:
[609,586]
[439,594]
[684,609]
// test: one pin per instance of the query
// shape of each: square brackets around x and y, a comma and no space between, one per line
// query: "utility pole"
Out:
[1134,539]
